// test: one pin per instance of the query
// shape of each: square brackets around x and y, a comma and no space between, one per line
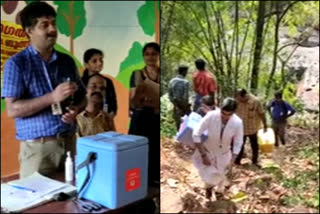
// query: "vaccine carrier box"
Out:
[119,174]
[184,135]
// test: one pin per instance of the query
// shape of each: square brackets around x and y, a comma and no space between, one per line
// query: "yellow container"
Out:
[266,140]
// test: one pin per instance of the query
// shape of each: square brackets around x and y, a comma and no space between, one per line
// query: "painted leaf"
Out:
[71,15]
[28,2]
[3,105]
[132,62]
[147,17]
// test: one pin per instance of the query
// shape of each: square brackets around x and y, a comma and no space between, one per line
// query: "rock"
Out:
[222,206]
[304,66]
[312,41]
[301,209]
[170,202]
[172,182]
[305,61]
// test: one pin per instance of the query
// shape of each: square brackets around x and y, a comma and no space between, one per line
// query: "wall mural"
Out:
[119,29]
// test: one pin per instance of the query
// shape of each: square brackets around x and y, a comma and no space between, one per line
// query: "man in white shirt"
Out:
[214,156]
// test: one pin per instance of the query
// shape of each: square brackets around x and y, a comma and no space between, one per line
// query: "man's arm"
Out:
[237,141]
[24,108]
[196,135]
[291,109]
[262,115]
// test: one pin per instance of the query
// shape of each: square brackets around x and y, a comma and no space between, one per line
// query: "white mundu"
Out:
[218,145]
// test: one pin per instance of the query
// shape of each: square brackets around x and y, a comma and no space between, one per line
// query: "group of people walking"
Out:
[228,127]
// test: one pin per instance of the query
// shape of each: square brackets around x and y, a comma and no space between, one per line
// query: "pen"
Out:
[22,188]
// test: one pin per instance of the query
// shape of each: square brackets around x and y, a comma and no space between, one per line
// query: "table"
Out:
[145,205]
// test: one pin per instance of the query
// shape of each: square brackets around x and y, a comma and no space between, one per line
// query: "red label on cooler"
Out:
[133,179]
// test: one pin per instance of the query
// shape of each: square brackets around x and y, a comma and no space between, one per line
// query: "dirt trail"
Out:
[253,189]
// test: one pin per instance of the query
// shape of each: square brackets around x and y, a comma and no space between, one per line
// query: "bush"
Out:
[289,94]
[168,128]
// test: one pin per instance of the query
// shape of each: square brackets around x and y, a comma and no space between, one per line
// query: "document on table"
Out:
[19,195]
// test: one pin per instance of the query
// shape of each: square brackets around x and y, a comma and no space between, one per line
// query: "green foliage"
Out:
[3,105]
[28,2]
[71,17]
[2,2]
[305,120]
[304,181]
[147,17]
[292,200]
[300,181]
[299,199]
[168,128]
[275,171]
[289,95]
[309,152]
[314,201]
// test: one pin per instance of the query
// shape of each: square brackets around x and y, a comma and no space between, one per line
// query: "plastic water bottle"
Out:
[69,168]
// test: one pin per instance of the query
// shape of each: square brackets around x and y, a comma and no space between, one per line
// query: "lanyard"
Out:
[46,73]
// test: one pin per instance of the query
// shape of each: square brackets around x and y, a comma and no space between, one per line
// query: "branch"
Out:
[286,10]
[289,44]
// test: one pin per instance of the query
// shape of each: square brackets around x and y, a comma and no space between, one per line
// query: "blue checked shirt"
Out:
[27,76]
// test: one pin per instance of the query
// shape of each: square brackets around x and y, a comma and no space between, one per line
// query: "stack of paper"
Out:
[19,195]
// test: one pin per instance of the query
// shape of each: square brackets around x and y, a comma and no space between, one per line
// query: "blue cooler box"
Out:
[184,135]
[119,175]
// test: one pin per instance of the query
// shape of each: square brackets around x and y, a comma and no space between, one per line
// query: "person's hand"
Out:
[205,160]
[63,90]
[70,115]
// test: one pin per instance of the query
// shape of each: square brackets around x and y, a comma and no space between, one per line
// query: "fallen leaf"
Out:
[240,196]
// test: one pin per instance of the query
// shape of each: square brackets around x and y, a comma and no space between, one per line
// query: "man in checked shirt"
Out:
[43,93]
[251,111]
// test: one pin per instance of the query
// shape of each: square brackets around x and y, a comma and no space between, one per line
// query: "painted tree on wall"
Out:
[71,19]
[148,18]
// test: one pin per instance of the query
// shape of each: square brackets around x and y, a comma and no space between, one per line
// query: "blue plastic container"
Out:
[119,175]
[184,135]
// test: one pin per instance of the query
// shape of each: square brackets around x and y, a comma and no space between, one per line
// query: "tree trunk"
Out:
[236,74]
[165,30]
[258,46]
[274,60]
[280,13]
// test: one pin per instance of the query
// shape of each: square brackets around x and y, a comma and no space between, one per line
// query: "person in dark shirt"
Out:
[280,110]
[93,59]
[178,91]
[145,107]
